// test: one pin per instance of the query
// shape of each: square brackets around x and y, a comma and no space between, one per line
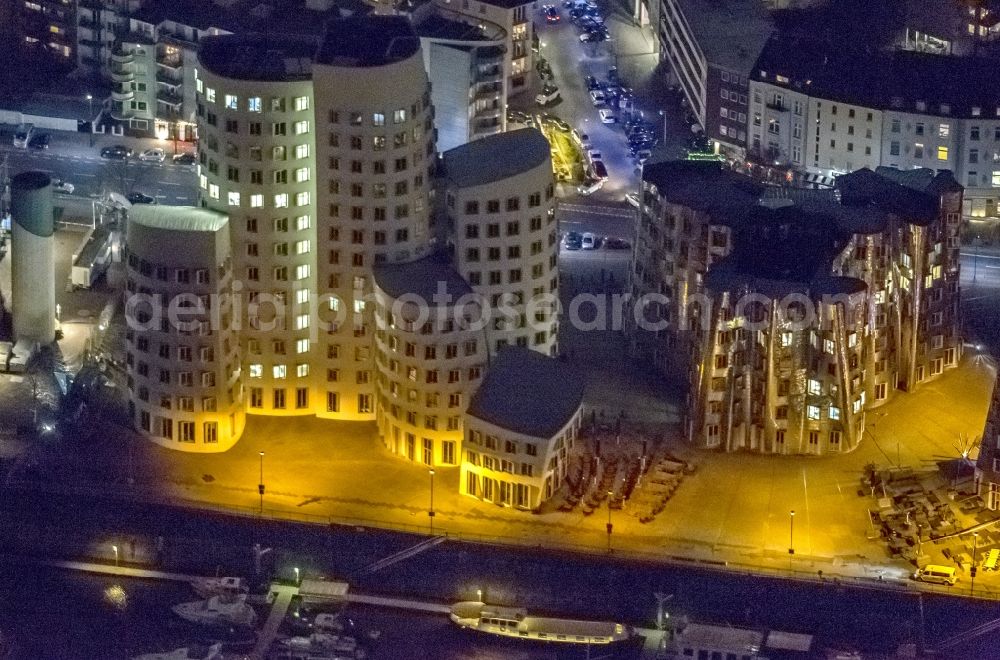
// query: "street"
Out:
[71,158]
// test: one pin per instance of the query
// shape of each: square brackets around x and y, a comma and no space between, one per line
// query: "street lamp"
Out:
[972,572]
[479,595]
[791,535]
[611,495]
[115,548]
[663,114]
[260,484]
[430,512]
[297,576]
[90,117]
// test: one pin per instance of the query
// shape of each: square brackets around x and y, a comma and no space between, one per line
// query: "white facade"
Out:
[184,375]
[32,268]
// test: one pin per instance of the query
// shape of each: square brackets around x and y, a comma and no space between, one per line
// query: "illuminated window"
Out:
[378,119]
[232,102]
[302,199]
[302,247]
[199,85]
[256,201]
[813,386]
[234,199]
[302,151]
[256,371]
[281,201]
[942,153]
[834,413]
[944,130]
[302,174]
[279,371]
[54,29]
[302,370]
[301,103]
[210,95]
[301,298]
[302,222]
[203,181]
[254,104]
[302,345]
[302,271]
[213,191]
[301,321]
[399,116]
[812,412]
[301,127]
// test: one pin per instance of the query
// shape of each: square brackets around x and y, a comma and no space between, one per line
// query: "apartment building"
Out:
[519,429]
[987,473]
[430,356]
[710,48]
[514,17]
[133,84]
[465,64]
[500,204]
[257,164]
[825,112]
[99,25]
[185,380]
[47,27]
[725,269]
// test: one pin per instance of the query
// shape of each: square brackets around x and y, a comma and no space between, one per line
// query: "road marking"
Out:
[181,199]
[979,256]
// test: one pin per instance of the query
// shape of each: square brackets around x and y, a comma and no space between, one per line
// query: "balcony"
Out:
[118,76]
[170,60]
[777,106]
[487,92]
[488,113]
[169,98]
[492,55]
[122,95]
[167,79]
[119,56]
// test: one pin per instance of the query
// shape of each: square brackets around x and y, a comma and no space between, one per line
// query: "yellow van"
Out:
[936,574]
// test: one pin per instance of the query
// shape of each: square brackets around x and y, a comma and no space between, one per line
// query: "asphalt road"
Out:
[201,542]
[92,175]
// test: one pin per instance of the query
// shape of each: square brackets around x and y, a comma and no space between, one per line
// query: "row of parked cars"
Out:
[587,17]
[588,241]
[155,155]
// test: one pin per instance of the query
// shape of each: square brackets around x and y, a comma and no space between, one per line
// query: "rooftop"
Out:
[528,393]
[436,26]
[886,191]
[263,57]
[495,157]
[177,218]
[704,186]
[507,4]
[424,279]
[266,16]
[898,80]
[731,33]
[721,637]
[362,41]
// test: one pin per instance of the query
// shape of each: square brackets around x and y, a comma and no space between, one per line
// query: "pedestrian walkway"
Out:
[122,571]
[279,609]
[398,603]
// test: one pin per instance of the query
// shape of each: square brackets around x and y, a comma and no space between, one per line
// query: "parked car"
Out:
[633,200]
[607,116]
[153,155]
[589,241]
[617,244]
[64,187]
[116,152]
[591,83]
[589,187]
[584,140]
[184,159]
[613,75]
[642,156]
[597,97]
[40,141]
[600,171]
[552,15]
[137,197]
[573,241]
[590,38]
[549,94]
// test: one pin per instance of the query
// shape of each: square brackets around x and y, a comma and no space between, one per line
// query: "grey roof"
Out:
[177,218]
[495,157]
[31,202]
[258,56]
[731,33]
[528,393]
[866,188]
[436,26]
[424,279]
[374,40]
[704,186]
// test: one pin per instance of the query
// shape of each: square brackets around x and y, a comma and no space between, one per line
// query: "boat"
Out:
[220,586]
[322,646]
[515,622]
[218,611]
[193,652]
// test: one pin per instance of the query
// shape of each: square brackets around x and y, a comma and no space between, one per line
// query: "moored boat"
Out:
[517,623]
[193,652]
[220,586]
[218,611]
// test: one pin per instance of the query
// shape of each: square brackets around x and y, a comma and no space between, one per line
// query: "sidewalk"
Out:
[77,144]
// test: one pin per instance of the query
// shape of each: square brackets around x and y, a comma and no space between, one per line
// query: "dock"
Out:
[279,609]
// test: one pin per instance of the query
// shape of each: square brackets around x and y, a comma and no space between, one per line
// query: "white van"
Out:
[936,574]
[549,94]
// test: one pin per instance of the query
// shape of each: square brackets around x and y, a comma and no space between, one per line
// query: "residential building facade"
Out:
[502,222]
[520,428]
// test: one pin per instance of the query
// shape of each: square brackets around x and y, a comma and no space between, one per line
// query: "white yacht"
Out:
[323,645]
[515,622]
[220,586]
[194,652]
[218,611]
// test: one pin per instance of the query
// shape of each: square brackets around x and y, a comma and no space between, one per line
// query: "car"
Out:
[573,241]
[549,94]
[589,241]
[597,97]
[575,13]
[116,152]
[152,155]
[184,159]
[64,187]
[137,197]
[40,141]
[584,140]
[607,116]
[600,171]
[591,83]
[569,4]
[617,243]
[552,15]
[643,155]
[613,75]
[590,186]
[633,200]
[590,38]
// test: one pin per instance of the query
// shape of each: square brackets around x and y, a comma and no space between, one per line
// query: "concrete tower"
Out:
[32,261]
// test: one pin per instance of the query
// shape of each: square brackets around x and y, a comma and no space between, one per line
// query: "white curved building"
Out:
[501,210]
[32,269]
[430,359]
[184,377]
[257,163]
[375,151]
